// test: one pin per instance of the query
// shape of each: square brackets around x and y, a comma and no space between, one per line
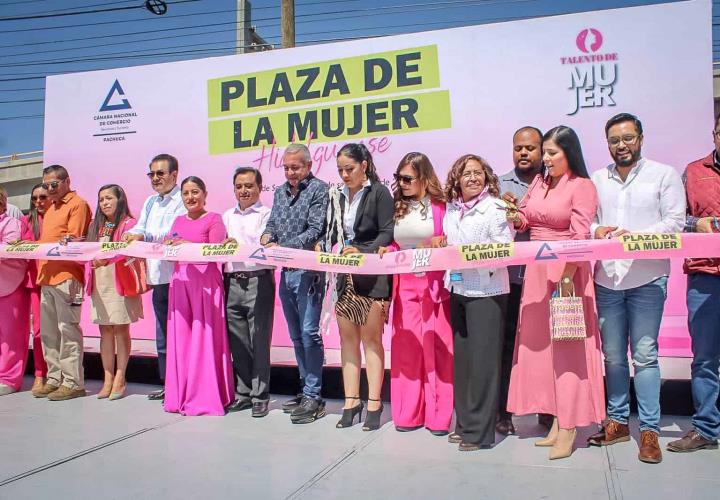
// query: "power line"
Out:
[78,13]
[4,118]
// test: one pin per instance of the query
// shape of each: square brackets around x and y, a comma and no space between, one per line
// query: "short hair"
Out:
[194,180]
[60,171]
[293,149]
[717,119]
[172,161]
[624,117]
[530,128]
[3,193]
[248,170]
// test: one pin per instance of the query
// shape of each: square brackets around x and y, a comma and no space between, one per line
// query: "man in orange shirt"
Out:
[61,284]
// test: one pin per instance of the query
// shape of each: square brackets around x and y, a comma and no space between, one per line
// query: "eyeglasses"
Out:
[469,174]
[39,197]
[157,173]
[404,179]
[51,185]
[628,140]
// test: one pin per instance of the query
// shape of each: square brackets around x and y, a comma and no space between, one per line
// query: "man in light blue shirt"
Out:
[156,218]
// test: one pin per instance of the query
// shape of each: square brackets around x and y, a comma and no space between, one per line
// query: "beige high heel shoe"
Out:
[563,446]
[549,440]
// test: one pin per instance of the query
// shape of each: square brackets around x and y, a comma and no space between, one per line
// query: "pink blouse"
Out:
[207,229]
[564,214]
[12,271]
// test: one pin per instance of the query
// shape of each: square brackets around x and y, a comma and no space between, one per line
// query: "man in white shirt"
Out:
[14,211]
[636,195]
[249,297]
[156,218]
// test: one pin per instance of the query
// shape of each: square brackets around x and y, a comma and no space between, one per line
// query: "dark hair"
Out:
[194,180]
[172,161]
[359,153]
[531,128]
[569,142]
[717,119]
[60,171]
[426,173]
[452,187]
[33,215]
[122,211]
[624,117]
[248,170]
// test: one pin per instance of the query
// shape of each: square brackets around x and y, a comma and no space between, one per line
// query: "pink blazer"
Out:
[435,279]
[12,271]
[123,227]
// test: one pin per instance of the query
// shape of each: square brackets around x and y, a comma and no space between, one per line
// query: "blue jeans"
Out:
[301,295]
[160,295]
[632,316]
[703,303]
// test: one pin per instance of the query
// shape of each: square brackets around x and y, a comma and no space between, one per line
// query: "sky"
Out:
[130,36]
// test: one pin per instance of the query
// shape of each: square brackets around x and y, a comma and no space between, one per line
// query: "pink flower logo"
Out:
[589,40]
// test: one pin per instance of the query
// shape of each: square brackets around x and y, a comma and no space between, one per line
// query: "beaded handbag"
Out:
[567,317]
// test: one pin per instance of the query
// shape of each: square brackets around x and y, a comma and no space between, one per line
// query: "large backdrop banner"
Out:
[444,93]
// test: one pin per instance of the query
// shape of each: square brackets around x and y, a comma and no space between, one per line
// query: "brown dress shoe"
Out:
[613,432]
[64,393]
[505,427]
[649,448]
[692,441]
[46,389]
[37,384]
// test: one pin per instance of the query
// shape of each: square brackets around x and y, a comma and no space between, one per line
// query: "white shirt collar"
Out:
[255,207]
[613,172]
[173,192]
[346,190]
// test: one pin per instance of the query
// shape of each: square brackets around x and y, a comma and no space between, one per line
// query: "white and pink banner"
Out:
[444,93]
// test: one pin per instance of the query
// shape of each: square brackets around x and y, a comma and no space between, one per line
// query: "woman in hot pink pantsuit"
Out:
[421,385]
[15,307]
[565,378]
[199,379]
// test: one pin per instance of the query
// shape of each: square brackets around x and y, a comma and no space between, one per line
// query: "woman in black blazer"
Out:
[367,210]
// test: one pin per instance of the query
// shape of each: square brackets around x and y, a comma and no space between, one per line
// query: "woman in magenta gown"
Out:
[199,378]
[561,378]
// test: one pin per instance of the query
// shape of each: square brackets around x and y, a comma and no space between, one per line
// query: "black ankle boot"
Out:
[348,415]
[372,418]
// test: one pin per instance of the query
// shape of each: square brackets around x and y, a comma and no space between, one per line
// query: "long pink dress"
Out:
[31,284]
[559,378]
[199,378]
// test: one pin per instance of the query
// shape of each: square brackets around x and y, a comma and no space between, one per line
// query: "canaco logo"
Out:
[595,42]
[123,104]
[116,116]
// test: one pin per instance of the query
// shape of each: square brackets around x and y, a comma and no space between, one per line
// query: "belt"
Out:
[298,269]
[248,274]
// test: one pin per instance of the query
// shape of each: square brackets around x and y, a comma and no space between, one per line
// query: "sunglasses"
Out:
[404,179]
[158,173]
[40,197]
[51,185]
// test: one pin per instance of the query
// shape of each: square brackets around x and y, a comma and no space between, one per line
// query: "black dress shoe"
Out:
[400,428]
[260,409]
[463,446]
[438,433]
[158,395]
[239,405]
[505,427]
[289,405]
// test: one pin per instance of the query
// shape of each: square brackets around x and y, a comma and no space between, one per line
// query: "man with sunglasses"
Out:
[61,290]
[702,185]
[297,220]
[156,218]
[636,195]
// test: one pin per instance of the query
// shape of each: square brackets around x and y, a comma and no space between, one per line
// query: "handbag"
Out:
[567,317]
[131,273]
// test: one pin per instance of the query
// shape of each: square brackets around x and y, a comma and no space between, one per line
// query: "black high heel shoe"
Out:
[348,415]
[372,418]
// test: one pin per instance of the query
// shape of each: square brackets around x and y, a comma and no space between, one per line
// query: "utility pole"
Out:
[287,15]
[242,27]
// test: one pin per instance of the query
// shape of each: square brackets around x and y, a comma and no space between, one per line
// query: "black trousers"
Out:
[160,296]
[508,348]
[477,324]
[250,306]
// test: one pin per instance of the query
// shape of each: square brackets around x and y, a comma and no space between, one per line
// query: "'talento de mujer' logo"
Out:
[594,74]
[115,89]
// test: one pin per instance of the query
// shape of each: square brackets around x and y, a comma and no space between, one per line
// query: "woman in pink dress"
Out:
[31,226]
[199,378]
[564,378]
[15,307]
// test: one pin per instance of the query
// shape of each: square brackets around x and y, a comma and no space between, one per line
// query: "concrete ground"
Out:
[89,448]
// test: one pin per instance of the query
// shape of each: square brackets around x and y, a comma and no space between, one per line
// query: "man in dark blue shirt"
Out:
[297,220]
